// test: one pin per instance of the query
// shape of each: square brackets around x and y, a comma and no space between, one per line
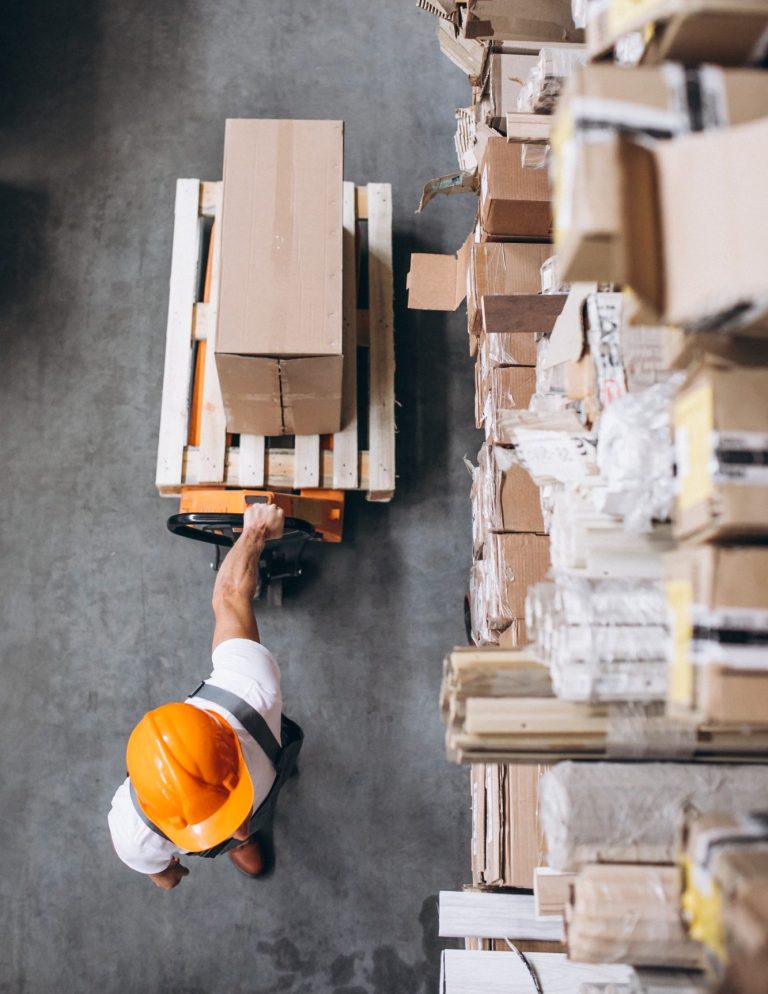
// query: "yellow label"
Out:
[703,911]
[681,675]
[693,419]
[560,142]
[625,12]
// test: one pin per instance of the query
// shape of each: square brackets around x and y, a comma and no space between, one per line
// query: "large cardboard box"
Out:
[515,562]
[524,20]
[279,335]
[510,389]
[718,599]
[599,102]
[720,420]
[694,267]
[514,202]
[503,269]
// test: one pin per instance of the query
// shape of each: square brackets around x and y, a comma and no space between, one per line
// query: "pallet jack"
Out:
[215,516]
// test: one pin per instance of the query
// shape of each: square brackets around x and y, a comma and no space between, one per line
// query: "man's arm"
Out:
[238,577]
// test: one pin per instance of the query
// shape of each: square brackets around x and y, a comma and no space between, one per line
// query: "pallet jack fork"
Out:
[215,516]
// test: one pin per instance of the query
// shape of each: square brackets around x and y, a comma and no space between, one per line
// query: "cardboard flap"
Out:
[438,282]
[461,182]
[521,312]
[311,394]
[567,341]
[643,233]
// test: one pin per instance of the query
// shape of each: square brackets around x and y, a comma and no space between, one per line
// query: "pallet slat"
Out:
[381,412]
[278,470]
[306,463]
[250,470]
[345,441]
[185,269]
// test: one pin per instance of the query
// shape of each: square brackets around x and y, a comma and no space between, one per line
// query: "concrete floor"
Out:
[103,614]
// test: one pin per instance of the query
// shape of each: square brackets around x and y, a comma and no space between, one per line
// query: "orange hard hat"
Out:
[190,778]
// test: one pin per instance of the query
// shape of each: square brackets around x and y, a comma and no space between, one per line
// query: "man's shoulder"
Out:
[239,662]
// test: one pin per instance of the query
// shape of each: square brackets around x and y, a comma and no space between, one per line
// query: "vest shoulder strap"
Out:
[253,722]
[140,813]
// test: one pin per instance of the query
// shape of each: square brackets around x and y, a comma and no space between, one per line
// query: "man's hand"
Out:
[265,518]
[171,876]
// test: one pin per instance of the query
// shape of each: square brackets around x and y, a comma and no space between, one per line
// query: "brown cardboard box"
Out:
[504,497]
[438,282]
[671,267]
[514,202]
[503,268]
[506,74]
[524,20]
[515,562]
[509,392]
[720,419]
[718,597]
[589,201]
[721,32]
[515,502]
[279,334]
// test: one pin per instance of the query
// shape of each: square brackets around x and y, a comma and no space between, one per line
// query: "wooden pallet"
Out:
[207,455]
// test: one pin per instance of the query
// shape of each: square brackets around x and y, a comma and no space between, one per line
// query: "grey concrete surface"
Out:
[103,614]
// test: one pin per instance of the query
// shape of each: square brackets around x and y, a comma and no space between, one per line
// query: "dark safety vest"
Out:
[282,755]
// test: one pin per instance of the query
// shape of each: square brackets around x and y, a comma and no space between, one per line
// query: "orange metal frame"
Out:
[323,509]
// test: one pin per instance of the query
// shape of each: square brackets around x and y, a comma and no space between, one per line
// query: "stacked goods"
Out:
[515,719]
[630,914]
[637,405]
[630,812]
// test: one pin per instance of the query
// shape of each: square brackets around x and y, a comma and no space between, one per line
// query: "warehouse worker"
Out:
[203,776]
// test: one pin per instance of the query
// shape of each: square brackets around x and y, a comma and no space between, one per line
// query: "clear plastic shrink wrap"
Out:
[635,456]
[630,812]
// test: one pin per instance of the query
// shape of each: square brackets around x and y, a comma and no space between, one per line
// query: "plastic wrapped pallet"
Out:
[626,813]
[603,640]
[630,914]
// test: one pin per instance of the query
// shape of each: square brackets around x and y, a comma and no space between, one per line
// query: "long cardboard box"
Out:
[514,201]
[599,102]
[279,335]
[720,420]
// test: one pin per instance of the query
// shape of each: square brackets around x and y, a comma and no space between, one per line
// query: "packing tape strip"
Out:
[637,731]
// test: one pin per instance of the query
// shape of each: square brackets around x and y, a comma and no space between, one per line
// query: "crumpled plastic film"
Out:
[629,812]
[629,914]
[637,732]
[635,456]
[551,281]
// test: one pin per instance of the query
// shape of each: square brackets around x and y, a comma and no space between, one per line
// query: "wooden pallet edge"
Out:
[381,406]
[185,271]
